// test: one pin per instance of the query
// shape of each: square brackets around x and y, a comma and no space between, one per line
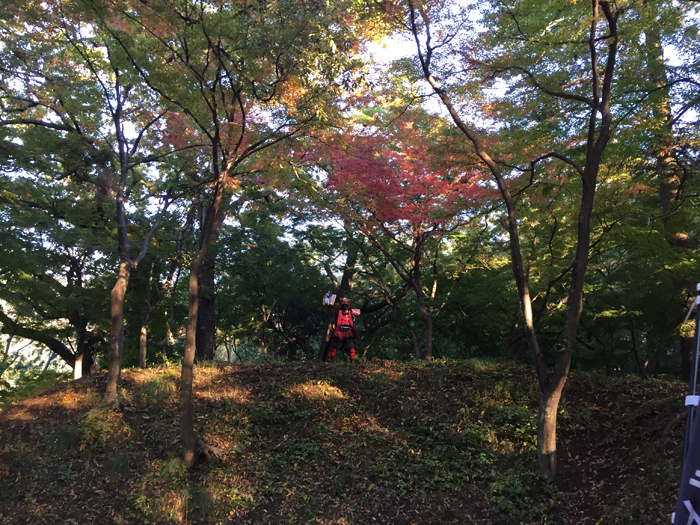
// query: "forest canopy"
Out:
[186,180]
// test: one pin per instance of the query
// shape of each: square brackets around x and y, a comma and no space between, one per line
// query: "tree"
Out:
[91,85]
[248,77]
[158,290]
[270,293]
[49,284]
[540,55]
[397,188]
[51,247]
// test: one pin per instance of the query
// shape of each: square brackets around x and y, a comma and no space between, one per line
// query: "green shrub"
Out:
[99,425]
[29,385]
[173,468]
[61,441]
[118,466]
[200,504]
[158,388]
[522,496]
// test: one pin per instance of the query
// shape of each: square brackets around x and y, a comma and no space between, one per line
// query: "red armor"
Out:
[344,327]
[343,337]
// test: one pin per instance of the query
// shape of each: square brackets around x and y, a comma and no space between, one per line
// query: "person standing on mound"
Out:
[344,334]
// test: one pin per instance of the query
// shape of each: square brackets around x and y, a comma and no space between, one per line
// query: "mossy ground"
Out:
[376,442]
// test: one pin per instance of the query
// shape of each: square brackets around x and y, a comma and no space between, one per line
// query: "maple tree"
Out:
[56,89]
[248,77]
[392,187]
[542,72]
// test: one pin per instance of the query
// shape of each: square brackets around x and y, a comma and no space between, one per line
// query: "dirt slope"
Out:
[378,442]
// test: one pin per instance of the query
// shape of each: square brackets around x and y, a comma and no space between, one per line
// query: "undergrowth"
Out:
[379,442]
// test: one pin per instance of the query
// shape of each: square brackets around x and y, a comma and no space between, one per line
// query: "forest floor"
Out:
[377,442]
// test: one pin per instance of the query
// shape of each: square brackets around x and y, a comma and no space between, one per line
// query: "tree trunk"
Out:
[417,352]
[152,301]
[687,355]
[79,324]
[547,430]
[263,341]
[635,350]
[78,367]
[546,450]
[116,335]
[185,405]
[143,342]
[88,359]
[187,433]
[206,319]
[427,319]
[425,314]
[428,335]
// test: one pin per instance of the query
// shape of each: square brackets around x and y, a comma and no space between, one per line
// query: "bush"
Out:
[29,385]
[158,388]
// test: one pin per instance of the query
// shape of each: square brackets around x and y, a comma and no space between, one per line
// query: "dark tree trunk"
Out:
[206,319]
[425,314]
[263,328]
[687,355]
[185,405]
[153,298]
[187,432]
[116,334]
[635,350]
[547,429]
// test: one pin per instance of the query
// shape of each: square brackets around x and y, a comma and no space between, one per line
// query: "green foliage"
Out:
[62,441]
[517,422]
[157,389]
[29,384]
[269,293]
[100,425]
[523,496]
[119,465]
[575,419]
[200,504]
[173,468]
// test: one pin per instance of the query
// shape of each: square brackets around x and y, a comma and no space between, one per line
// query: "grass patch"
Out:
[156,390]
